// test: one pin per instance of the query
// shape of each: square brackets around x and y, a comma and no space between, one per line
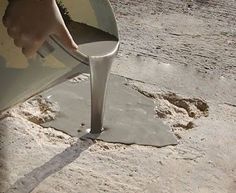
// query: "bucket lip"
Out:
[85,58]
[82,57]
[79,56]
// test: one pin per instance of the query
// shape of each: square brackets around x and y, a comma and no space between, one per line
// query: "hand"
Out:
[30,22]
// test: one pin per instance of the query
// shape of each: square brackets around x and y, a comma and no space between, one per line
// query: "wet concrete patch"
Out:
[129,116]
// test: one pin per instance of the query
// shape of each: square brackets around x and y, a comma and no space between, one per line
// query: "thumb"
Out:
[65,38]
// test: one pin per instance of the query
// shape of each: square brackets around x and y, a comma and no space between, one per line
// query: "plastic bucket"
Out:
[21,79]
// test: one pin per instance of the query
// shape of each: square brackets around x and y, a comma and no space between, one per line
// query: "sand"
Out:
[187,37]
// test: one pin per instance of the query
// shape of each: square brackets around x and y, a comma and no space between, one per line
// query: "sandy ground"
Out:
[196,38]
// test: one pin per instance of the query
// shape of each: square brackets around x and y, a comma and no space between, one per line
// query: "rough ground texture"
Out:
[175,110]
[199,34]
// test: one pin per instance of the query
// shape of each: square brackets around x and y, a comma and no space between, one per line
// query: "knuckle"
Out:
[18,43]
[31,38]
[25,37]
[5,21]
[37,38]
[26,52]
[9,31]
[23,51]
[13,31]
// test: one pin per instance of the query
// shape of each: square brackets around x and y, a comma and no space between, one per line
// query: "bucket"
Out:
[93,27]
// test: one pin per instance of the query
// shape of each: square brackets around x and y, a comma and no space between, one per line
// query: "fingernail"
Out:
[75,46]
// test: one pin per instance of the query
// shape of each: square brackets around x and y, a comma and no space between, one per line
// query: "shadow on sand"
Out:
[31,180]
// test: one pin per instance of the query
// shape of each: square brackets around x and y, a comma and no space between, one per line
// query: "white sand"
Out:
[204,161]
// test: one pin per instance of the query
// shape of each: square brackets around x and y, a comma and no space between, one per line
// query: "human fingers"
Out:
[65,37]
[18,43]
[13,32]
[30,50]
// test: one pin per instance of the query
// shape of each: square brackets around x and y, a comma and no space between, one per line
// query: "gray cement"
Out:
[92,41]
[129,116]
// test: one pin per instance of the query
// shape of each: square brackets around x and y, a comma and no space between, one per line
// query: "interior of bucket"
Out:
[92,25]
[95,13]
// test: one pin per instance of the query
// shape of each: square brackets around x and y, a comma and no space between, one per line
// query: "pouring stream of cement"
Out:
[101,48]
[100,69]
